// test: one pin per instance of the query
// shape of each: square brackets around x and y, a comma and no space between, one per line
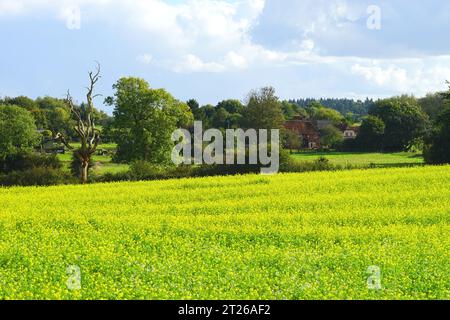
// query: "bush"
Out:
[321,164]
[224,170]
[349,145]
[142,170]
[39,176]
[28,161]
[112,177]
[182,171]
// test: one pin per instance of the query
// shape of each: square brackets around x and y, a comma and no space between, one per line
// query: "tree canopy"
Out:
[404,121]
[17,130]
[263,110]
[144,119]
[437,143]
[371,133]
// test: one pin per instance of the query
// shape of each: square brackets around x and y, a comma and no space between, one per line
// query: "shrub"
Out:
[26,161]
[321,164]
[112,177]
[142,170]
[38,176]
[224,170]
[349,145]
[182,171]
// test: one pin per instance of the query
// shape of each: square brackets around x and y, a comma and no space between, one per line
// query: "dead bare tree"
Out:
[85,128]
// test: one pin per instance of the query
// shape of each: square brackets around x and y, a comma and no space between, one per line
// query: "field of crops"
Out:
[362,234]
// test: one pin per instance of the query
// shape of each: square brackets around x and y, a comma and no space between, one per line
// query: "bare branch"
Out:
[59,137]
[90,136]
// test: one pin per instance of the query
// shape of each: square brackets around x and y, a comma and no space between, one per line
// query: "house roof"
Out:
[302,127]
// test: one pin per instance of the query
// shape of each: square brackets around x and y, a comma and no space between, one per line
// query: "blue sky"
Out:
[213,50]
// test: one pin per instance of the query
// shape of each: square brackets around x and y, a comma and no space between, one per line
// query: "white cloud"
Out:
[418,76]
[10,7]
[72,16]
[192,63]
[193,36]
[145,58]
[392,75]
[236,60]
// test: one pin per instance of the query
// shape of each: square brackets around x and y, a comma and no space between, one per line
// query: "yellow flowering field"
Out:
[361,234]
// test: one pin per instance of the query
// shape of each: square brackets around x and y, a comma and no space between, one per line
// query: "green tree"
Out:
[59,120]
[206,115]
[331,137]
[292,140]
[235,120]
[193,105]
[58,116]
[30,105]
[263,110]
[371,133]
[432,104]
[144,120]
[221,118]
[17,130]
[350,118]
[180,113]
[232,106]
[319,112]
[289,109]
[437,143]
[404,120]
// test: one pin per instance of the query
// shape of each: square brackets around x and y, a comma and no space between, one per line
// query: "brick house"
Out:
[307,131]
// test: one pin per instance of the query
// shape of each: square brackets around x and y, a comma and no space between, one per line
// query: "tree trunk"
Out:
[84,171]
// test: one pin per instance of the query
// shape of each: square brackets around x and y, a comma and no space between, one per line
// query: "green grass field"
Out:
[363,159]
[103,164]
[293,236]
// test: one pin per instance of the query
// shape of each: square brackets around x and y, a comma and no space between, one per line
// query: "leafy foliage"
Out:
[437,143]
[24,161]
[17,130]
[292,141]
[144,120]
[370,137]
[331,137]
[263,110]
[358,108]
[404,121]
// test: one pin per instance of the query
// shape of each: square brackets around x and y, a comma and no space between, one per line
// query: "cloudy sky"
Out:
[216,49]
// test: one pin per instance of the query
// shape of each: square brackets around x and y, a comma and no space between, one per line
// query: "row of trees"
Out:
[394,124]
[350,108]
[231,114]
[53,114]
[144,119]
[405,123]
